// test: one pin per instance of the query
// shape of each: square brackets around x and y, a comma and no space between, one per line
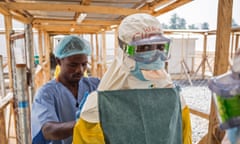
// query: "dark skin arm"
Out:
[57,130]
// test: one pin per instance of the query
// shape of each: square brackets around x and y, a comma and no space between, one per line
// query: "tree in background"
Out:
[182,23]
[177,22]
[173,21]
[192,26]
[164,26]
[234,24]
[205,26]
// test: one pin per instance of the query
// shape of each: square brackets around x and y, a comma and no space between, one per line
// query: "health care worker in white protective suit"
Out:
[226,90]
[140,65]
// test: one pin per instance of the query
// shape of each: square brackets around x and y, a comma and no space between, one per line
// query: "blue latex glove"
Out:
[234,135]
[81,105]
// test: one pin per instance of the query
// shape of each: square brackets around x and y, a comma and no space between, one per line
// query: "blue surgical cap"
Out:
[72,45]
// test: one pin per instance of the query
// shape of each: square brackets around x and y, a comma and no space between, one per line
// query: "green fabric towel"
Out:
[141,116]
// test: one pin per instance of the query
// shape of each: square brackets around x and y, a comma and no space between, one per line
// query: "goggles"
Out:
[160,46]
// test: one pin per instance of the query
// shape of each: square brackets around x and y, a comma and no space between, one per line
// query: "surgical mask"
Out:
[155,62]
[137,73]
[139,65]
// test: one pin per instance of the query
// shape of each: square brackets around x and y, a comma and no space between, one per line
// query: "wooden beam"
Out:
[170,7]
[2,83]
[236,43]
[103,53]
[40,46]
[15,15]
[71,8]
[83,2]
[20,17]
[232,45]
[224,22]
[154,4]
[69,27]
[6,100]
[3,135]
[8,29]
[68,32]
[82,29]
[116,45]
[47,68]
[73,22]
[4,11]
[199,113]
[223,36]
[97,56]
[29,42]
[93,70]
[86,2]
[204,54]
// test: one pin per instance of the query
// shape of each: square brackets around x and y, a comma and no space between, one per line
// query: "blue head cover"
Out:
[72,45]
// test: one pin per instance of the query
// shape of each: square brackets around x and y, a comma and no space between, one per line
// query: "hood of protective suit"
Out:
[119,76]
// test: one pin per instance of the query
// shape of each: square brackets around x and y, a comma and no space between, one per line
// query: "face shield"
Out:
[158,46]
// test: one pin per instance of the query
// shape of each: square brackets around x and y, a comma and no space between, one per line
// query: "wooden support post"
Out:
[4,102]
[40,47]
[3,136]
[116,42]
[223,36]
[104,54]
[2,81]
[237,42]
[30,59]
[8,28]
[204,55]
[232,45]
[97,56]
[93,69]
[47,56]
[23,110]
[215,135]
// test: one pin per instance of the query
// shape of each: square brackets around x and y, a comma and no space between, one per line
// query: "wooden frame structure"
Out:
[50,18]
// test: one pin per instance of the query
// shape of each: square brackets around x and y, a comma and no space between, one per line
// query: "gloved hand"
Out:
[234,135]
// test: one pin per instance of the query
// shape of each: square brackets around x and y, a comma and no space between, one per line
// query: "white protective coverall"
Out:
[117,77]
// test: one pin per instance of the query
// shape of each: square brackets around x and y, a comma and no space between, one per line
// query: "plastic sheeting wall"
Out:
[181,50]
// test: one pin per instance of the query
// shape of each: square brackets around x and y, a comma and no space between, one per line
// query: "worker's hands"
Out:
[58,130]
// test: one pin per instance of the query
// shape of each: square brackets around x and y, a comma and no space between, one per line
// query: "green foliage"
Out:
[177,22]
[192,26]
[234,23]
[205,26]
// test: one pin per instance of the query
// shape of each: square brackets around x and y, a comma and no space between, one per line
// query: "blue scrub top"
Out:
[53,102]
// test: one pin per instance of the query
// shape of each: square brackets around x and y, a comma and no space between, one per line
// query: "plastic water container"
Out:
[226,91]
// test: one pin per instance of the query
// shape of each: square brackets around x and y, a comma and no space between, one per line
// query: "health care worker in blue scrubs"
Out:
[55,103]
[139,65]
